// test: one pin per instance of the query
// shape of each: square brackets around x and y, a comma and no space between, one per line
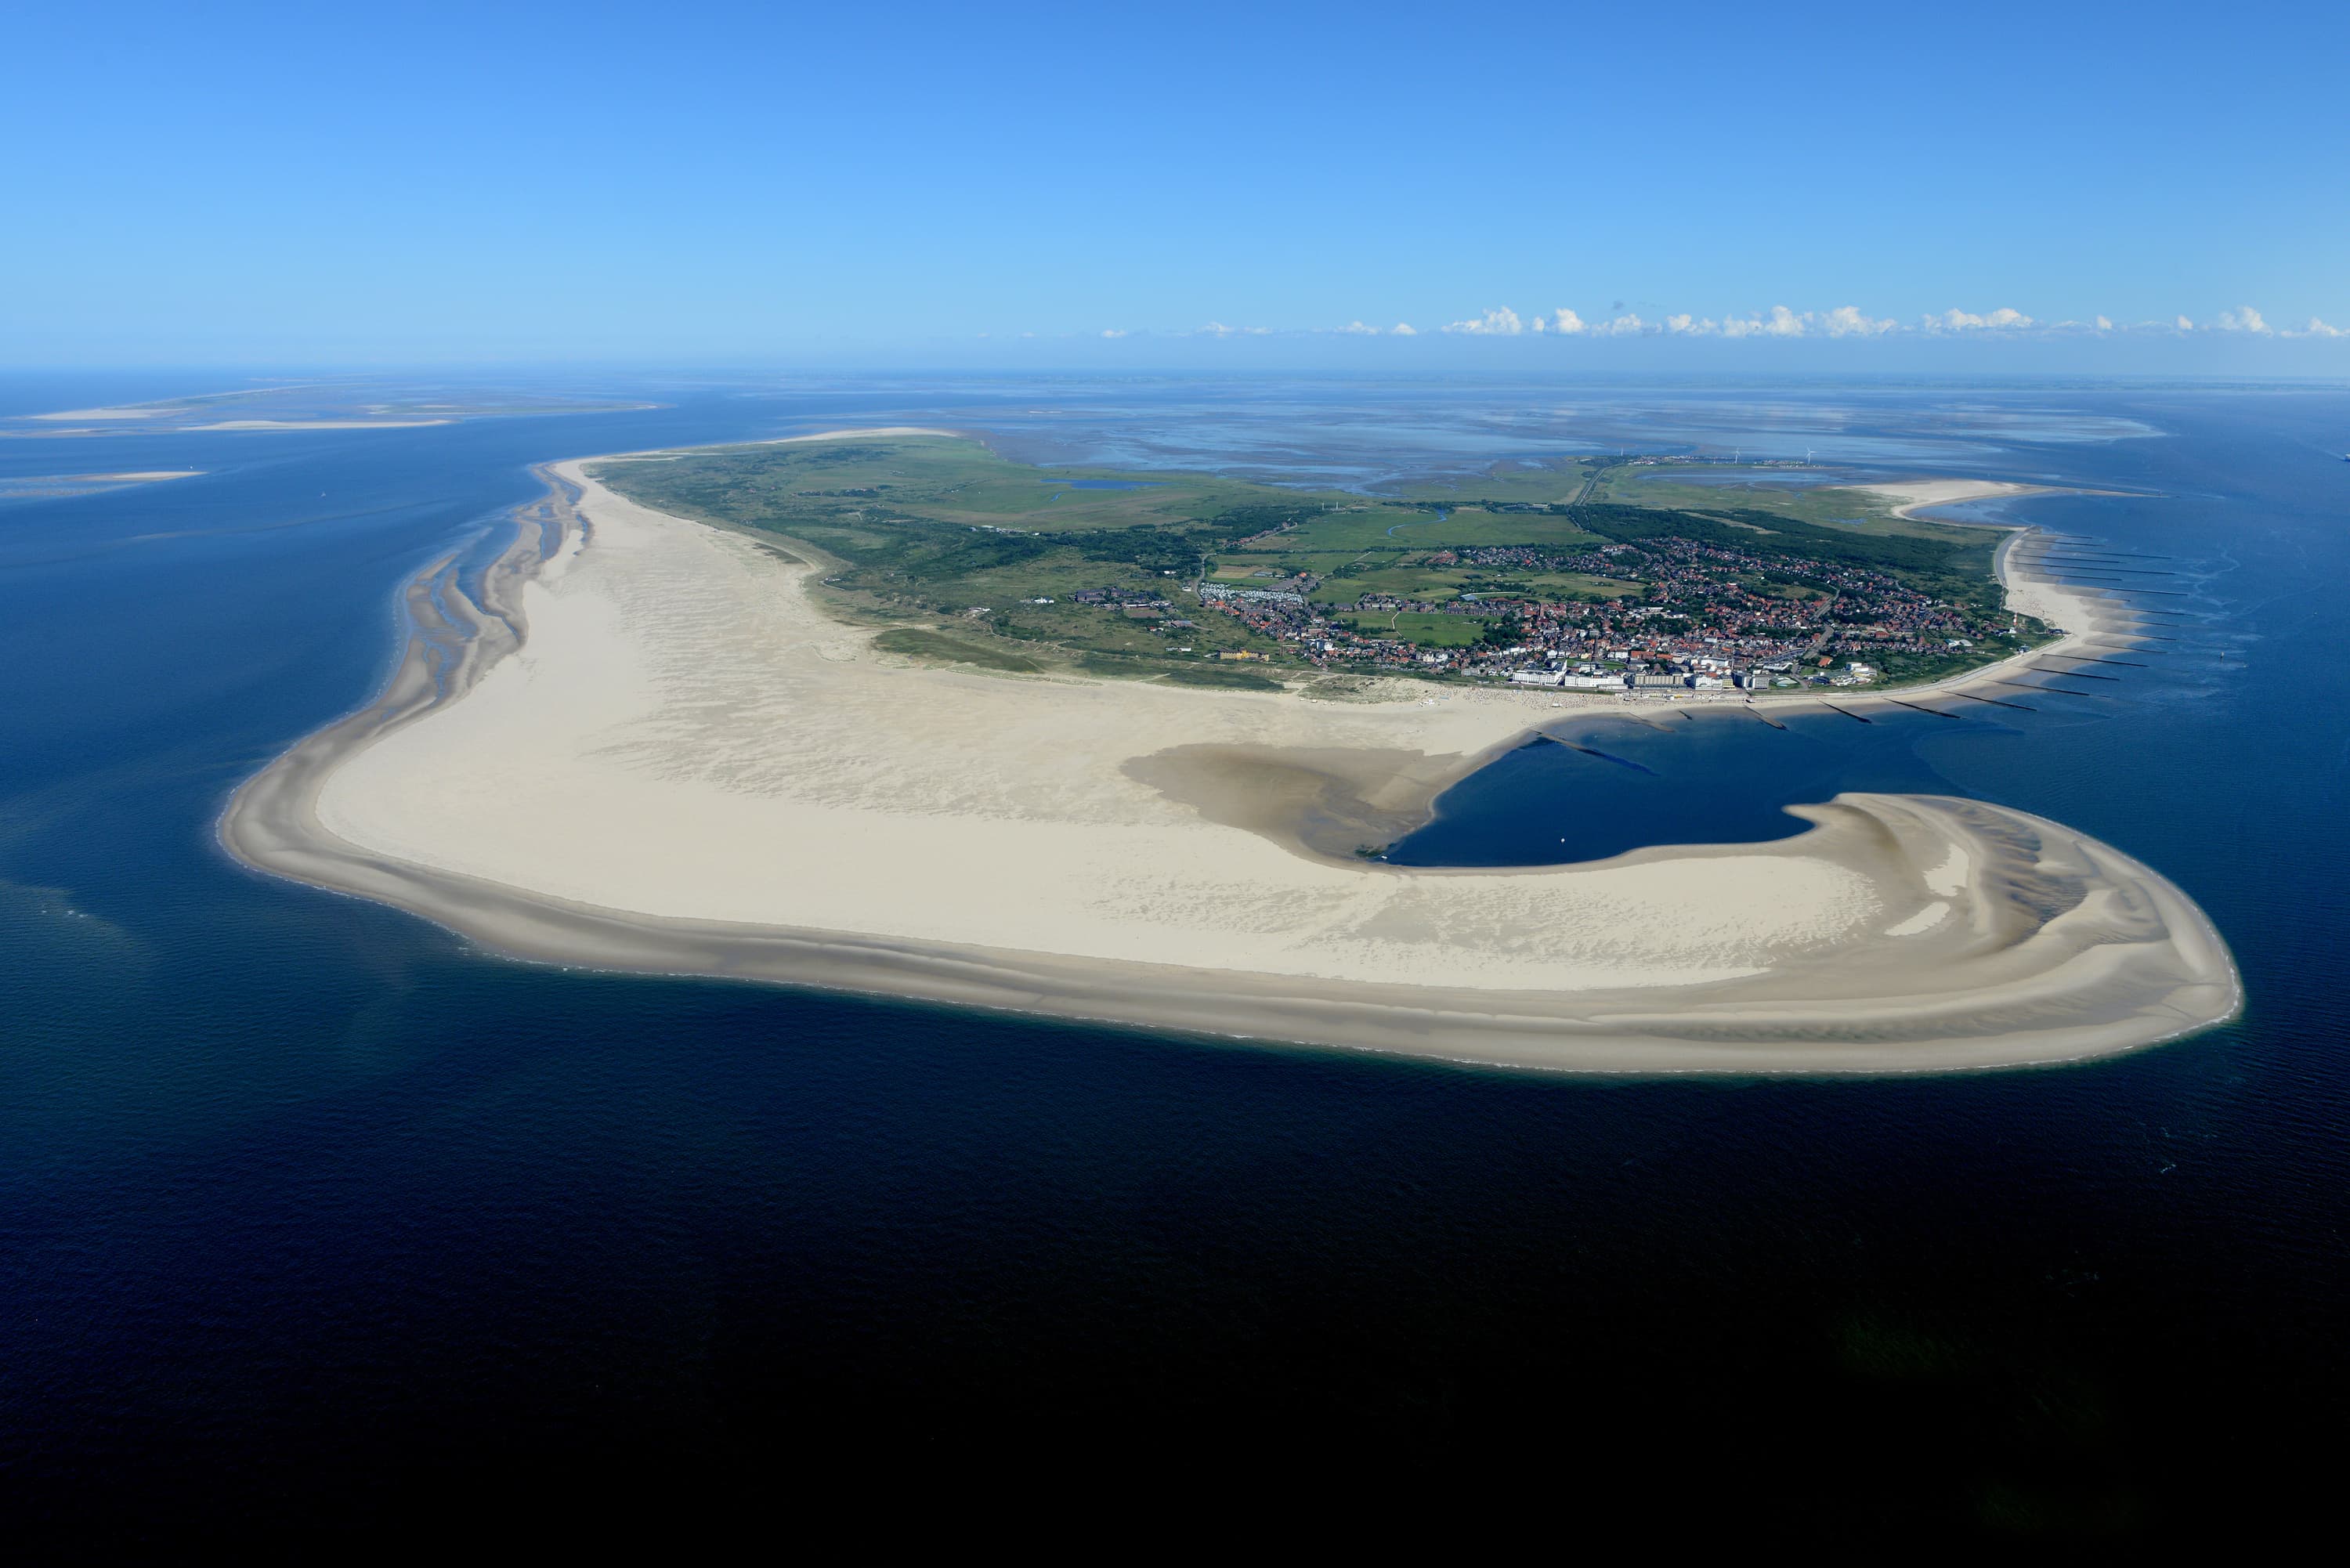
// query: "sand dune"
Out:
[683,765]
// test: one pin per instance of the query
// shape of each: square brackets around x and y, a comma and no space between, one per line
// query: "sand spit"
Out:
[642,746]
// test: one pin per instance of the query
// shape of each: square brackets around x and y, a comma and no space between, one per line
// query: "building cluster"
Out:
[1706,617]
[1146,598]
[1602,562]
[1467,603]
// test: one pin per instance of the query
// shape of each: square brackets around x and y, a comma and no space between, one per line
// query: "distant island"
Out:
[327,404]
[1596,575]
[896,725]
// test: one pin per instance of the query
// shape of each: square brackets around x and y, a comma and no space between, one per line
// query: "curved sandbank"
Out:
[643,746]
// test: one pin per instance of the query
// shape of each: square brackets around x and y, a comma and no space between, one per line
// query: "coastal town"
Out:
[1700,617]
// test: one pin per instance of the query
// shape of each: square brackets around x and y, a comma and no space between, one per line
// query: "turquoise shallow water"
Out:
[310,1215]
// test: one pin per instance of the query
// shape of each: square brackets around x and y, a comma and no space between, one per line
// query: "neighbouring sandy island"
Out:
[639,744]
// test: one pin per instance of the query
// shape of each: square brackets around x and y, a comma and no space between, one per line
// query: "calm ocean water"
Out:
[314,1218]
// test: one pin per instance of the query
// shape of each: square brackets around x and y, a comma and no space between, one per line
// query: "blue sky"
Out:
[1084,184]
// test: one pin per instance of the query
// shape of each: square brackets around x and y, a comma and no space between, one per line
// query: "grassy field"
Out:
[1830,505]
[1557,586]
[1427,630]
[1538,484]
[1342,533]
[948,478]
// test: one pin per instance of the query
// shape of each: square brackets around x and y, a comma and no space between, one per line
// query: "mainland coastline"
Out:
[640,745]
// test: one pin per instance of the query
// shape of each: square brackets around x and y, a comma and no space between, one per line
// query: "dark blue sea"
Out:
[320,1225]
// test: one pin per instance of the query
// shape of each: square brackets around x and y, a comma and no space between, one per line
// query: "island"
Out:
[880,710]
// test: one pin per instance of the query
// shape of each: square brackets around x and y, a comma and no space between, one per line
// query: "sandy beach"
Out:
[643,746]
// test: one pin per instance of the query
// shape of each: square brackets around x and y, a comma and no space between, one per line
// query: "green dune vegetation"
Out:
[969,557]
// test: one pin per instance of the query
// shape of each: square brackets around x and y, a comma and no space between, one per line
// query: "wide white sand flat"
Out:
[684,764]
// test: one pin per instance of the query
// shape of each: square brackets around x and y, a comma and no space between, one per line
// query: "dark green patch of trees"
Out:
[1941,568]
[1503,633]
[1784,538]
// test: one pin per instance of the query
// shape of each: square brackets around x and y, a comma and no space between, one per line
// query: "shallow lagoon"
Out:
[1675,775]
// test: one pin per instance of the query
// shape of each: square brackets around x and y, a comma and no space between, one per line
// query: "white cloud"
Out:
[1846,321]
[2000,320]
[1843,321]
[1500,323]
[1780,323]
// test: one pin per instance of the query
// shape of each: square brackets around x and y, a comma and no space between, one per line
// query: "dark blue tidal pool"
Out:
[1596,786]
